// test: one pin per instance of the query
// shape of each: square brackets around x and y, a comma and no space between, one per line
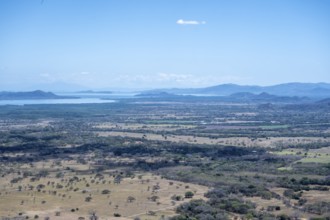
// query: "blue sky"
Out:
[163,43]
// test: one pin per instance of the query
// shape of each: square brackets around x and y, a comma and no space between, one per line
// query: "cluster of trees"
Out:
[303,183]
[218,206]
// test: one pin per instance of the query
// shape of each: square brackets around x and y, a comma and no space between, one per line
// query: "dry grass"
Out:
[30,202]
[145,127]
[238,141]
[262,204]
[314,196]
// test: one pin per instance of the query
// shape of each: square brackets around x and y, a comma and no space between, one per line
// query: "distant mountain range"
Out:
[241,97]
[315,90]
[37,94]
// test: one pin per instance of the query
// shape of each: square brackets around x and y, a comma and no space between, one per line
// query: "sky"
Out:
[112,44]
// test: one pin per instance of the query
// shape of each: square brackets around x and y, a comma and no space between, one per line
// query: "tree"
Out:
[105,191]
[176,197]
[154,198]
[188,194]
[130,199]
[88,199]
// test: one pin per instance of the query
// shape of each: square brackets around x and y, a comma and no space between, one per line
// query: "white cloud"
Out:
[173,77]
[189,22]
[142,80]
[163,79]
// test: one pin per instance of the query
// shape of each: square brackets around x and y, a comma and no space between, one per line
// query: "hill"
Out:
[156,95]
[315,90]
[266,97]
[242,97]
[37,94]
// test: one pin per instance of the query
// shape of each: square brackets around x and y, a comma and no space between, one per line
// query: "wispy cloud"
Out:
[170,80]
[142,80]
[189,22]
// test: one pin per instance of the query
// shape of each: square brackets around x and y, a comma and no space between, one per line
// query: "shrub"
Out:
[189,194]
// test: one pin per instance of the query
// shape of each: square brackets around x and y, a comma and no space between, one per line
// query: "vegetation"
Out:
[144,158]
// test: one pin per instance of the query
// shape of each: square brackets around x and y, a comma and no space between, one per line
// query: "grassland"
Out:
[270,142]
[321,155]
[65,197]
[58,161]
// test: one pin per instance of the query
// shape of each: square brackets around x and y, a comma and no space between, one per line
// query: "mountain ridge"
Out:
[36,94]
[315,90]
